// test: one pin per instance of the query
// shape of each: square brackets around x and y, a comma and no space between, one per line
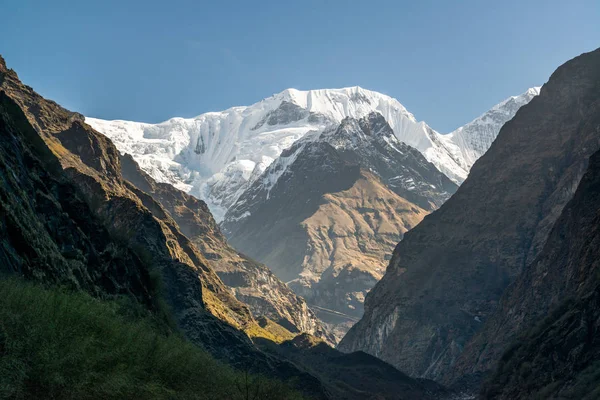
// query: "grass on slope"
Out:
[62,345]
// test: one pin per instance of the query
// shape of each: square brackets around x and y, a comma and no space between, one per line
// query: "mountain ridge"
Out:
[216,156]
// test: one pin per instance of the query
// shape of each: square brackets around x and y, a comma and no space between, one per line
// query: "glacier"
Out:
[216,156]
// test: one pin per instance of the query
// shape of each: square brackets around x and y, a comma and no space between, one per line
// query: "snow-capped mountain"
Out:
[474,138]
[326,213]
[216,156]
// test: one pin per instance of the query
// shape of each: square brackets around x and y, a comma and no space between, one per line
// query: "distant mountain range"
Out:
[216,156]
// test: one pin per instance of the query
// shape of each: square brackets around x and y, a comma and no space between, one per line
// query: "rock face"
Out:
[216,156]
[447,275]
[548,322]
[252,283]
[325,214]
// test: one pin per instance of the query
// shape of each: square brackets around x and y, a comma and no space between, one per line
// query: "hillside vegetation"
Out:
[56,344]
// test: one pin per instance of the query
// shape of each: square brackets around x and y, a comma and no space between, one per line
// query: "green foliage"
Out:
[56,344]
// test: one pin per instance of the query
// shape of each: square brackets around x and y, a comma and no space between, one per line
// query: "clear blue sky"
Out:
[446,61]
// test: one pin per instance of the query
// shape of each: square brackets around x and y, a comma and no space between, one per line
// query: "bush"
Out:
[56,344]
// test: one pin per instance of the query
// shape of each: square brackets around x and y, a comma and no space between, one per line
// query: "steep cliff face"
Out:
[252,283]
[326,214]
[551,304]
[548,323]
[447,275]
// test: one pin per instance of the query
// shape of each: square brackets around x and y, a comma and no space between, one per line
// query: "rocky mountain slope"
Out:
[326,213]
[216,156]
[252,283]
[447,275]
[69,217]
[548,322]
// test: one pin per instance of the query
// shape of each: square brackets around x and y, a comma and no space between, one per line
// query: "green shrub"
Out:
[56,344]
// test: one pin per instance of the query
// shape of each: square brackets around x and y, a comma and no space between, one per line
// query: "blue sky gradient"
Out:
[446,61]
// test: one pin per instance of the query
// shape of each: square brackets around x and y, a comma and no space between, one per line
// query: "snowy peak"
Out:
[375,125]
[217,155]
[503,111]
[338,104]
[325,213]
[477,136]
[354,133]
[369,143]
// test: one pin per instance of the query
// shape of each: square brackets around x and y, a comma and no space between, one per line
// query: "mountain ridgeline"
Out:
[252,283]
[436,311]
[216,156]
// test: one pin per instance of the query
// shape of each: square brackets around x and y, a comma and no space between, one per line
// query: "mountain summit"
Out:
[217,155]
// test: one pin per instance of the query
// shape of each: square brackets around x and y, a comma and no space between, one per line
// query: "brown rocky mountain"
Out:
[350,239]
[544,340]
[69,217]
[252,283]
[447,275]
[328,212]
